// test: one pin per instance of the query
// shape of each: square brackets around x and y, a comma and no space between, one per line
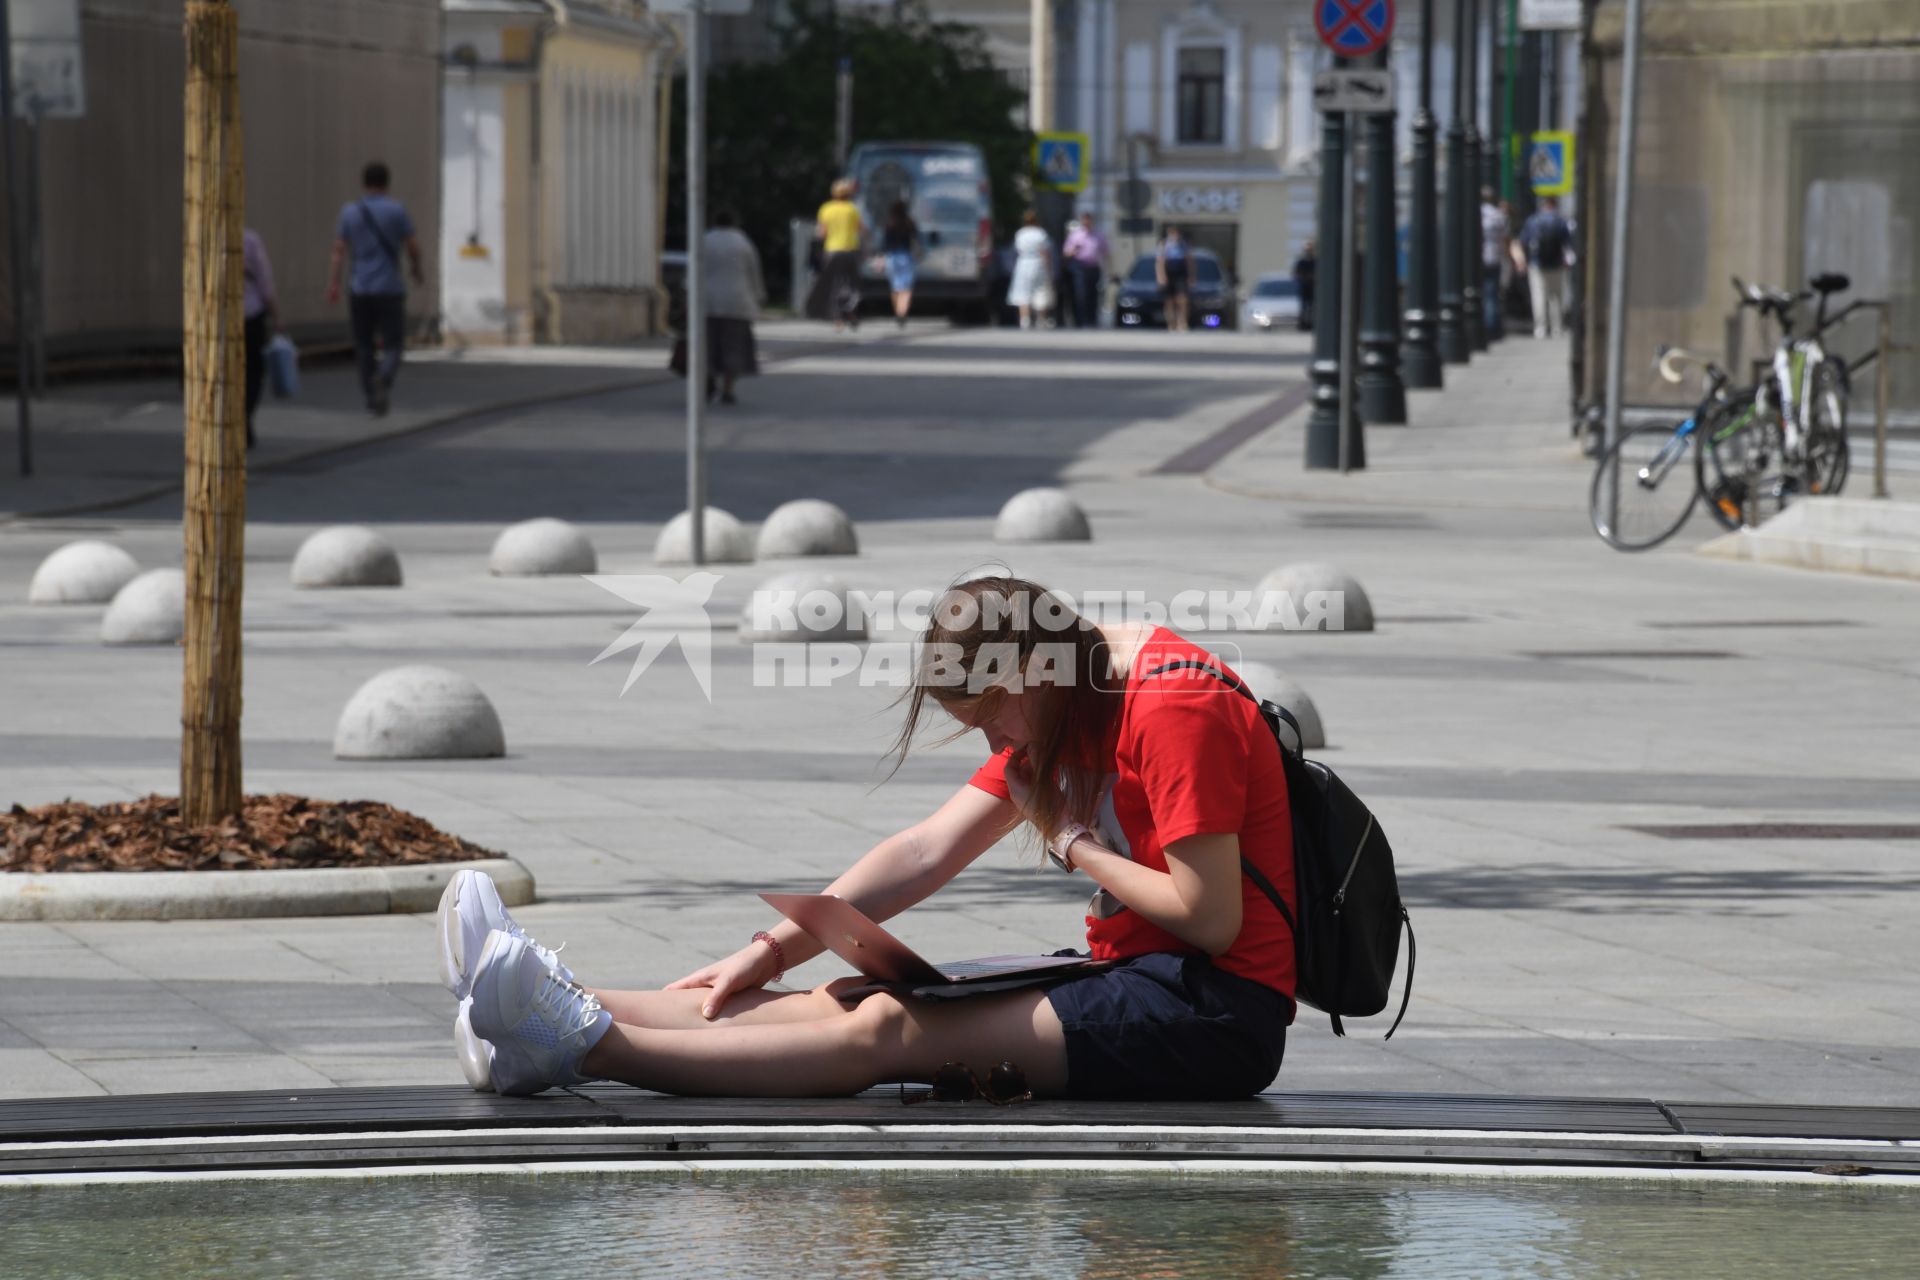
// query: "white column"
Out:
[601,183]
[648,232]
[1040,65]
[1138,89]
[1086,35]
[1303,122]
[634,151]
[1235,107]
[1265,77]
[570,184]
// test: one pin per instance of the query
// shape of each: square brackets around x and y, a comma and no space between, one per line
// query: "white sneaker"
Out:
[470,909]
[540,1024]
[475,1054]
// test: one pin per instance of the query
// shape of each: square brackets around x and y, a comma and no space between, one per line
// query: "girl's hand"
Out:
[748,969]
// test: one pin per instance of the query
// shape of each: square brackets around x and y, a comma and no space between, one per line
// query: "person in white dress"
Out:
[1032,287]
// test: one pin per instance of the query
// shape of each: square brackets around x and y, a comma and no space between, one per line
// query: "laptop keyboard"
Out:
[959,970]
[971,968]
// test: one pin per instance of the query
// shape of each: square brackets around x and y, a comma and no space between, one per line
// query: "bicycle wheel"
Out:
[1656,490]
[1828,457]
[1739,461]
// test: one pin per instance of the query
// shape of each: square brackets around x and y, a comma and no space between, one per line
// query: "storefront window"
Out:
[1202,95]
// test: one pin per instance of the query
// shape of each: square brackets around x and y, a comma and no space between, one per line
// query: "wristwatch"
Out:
[1060,848]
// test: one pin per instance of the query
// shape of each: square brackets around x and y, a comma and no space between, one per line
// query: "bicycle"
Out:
[1656,492]
[1796,442]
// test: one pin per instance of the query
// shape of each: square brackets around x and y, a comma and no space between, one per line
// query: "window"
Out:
[1201,96]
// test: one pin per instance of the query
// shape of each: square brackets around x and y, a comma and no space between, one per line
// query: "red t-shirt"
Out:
[1190,756]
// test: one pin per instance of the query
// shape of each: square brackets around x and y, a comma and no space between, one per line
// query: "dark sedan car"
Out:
[1210,296]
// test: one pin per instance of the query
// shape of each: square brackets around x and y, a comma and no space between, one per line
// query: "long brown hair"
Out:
[990,634]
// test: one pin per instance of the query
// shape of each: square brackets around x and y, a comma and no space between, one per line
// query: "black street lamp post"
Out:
[1323,424]
[1383,397]
[1488,172]
[1470,273]
[1421,356]
[1456,344]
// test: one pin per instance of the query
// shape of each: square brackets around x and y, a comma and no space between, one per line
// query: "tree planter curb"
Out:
[246,895]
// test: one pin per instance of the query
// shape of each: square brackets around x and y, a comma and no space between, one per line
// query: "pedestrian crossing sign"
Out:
[1061,160]
[1550,164]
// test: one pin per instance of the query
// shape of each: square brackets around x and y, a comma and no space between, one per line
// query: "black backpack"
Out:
[1347,940]
[1550,245]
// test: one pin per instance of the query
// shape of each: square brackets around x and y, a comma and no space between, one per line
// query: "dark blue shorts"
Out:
[1170,1026]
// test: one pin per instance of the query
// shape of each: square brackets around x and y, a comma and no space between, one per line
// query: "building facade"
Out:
[1775,142]
[1208,103]
[553,168]
[322,91]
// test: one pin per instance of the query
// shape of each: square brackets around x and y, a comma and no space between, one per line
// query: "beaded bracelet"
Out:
[779,954]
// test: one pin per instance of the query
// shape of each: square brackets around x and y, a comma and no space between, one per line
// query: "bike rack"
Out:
[1886,347]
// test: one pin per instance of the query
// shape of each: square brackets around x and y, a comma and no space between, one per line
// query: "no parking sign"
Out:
[1354,28]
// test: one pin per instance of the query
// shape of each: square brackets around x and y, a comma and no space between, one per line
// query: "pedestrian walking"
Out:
[1494,233]
[1157,787]
[899,246]
[1547,240]
[260,309]
[1031,290]
[1305,268]
[373,231]
[735,289]
[1086,253]
[841,231]
[1173,272]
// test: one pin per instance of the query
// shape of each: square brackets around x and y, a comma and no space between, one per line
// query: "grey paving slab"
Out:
[32,1072]
[1559,950]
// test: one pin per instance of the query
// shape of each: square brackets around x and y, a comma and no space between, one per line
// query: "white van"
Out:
[949,196]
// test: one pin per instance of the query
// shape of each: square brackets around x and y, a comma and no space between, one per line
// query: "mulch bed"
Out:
[270,833]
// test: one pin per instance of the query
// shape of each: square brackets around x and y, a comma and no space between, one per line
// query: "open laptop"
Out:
[845,930]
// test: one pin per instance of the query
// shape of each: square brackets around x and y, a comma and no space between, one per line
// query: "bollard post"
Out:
[1880,380]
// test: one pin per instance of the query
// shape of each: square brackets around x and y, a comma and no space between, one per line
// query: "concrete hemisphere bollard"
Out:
[727,540]
[1270,686]
[152,609]
[84,572]
[1042,515]
[418,713]
[1346,602]
[802,607]
[542,548]
[806,527]
[346,555]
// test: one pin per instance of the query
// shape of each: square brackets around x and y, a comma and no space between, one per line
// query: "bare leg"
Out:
[879,1040]
[680,1010]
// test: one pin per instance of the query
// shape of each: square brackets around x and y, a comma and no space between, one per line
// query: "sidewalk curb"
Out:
[246,895]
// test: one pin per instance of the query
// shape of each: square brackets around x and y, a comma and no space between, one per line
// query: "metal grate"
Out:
[1779,830]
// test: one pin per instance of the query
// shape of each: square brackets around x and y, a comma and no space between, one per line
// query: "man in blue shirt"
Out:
[373,231]
[1549,244]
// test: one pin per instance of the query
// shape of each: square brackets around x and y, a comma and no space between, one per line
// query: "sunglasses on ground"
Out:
[955,1082]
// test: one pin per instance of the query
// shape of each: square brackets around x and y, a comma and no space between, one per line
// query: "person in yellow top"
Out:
[841,230]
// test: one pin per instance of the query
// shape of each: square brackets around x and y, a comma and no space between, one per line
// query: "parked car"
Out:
[1210,296]
[1275,301]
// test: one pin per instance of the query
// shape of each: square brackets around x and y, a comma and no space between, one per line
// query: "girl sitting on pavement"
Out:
[1154,785]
